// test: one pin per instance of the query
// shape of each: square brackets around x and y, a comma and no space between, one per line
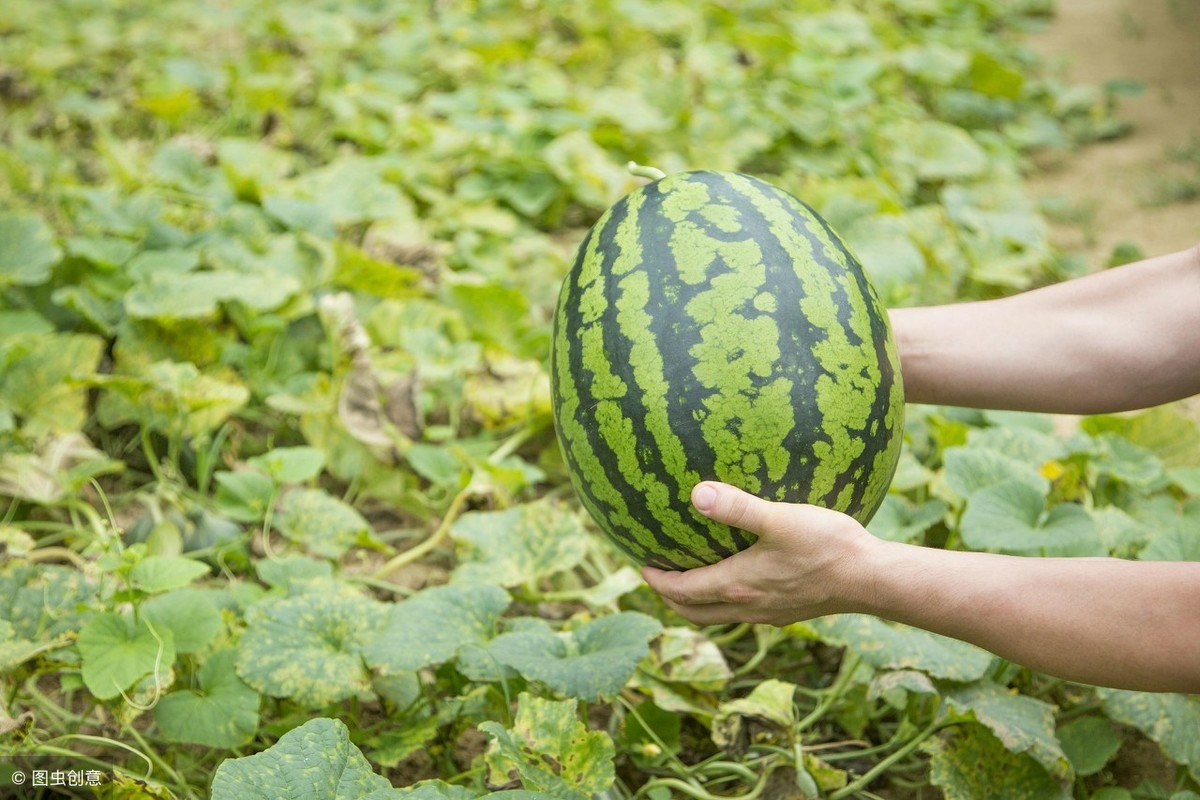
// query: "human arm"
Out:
[1128,624]
[1116,340]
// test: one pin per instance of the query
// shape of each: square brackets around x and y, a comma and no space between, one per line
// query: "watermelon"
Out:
[713,326]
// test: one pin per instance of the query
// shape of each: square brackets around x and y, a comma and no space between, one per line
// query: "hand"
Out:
[808,561]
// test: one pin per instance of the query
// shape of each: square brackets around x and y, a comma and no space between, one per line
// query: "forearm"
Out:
[1111,622]
[1116,340]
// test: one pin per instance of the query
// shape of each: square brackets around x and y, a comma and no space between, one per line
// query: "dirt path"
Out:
[1109,184]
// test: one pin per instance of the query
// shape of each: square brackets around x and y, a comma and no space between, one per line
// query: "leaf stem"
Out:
[849,667]
[865,779]
[443,529]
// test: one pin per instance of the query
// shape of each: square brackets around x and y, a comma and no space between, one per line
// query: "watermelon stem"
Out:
[643,171]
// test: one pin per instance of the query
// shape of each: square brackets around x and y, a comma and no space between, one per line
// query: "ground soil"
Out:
[1112,183]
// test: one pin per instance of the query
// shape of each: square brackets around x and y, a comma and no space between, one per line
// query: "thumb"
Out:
[724,503]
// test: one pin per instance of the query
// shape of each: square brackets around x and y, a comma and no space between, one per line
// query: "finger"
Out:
[728,504]
[693,587]
[709,614]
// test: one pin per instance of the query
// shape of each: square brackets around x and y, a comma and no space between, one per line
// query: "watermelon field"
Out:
[284,511]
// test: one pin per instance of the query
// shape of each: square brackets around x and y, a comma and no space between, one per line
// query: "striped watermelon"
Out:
[714,327]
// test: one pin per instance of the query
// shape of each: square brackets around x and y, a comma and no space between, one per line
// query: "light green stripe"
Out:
[845,394]
[741,423]
[645,359]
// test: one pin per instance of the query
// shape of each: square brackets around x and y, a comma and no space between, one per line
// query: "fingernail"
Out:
[703,497]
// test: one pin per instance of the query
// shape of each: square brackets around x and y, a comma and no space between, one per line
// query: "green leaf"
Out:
[1022,724]
[900,520]
[43,380]
[155,574]
[290,464]
[27,250]
[549,750]
[21,322]
[970,469]
[1126,462]
[988,75]
[969,763]
[589,662]
[172,397]
[15,651]
[431,626]
[933,150]
[309,647]
[1171,720]
[106,252]
[1175,438]
[117,652]
[45,601]
[196,295]
[280,572]
[222,712]
[190,615]
[887,252]
[244,495]
[593,176]
[352,190]
[300,215]
[409,736]
[1089,743]
[320,522]
[519,545]
[358,271]
[889,645]
[315,762]
[1011,517]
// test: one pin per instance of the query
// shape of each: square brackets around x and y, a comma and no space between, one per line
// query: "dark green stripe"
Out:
[629,526]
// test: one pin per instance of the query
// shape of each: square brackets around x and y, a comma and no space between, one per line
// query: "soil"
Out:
[1114,185]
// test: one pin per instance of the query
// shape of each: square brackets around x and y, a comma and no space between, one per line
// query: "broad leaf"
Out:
[290,464]
[45,601]
[433,625]
[309,647]
[1022,724]
[313,762]
[1169,719]
[589,662]
[684,671]
[889,645]
[320,522]
[155,574]
[900,520]
[27,250]
[191,615]
[221,712]
[969,763]
[970,469]
[519,545]
[1089,743]
[116,652]
[549,750]
[42,380]
[1011,517]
